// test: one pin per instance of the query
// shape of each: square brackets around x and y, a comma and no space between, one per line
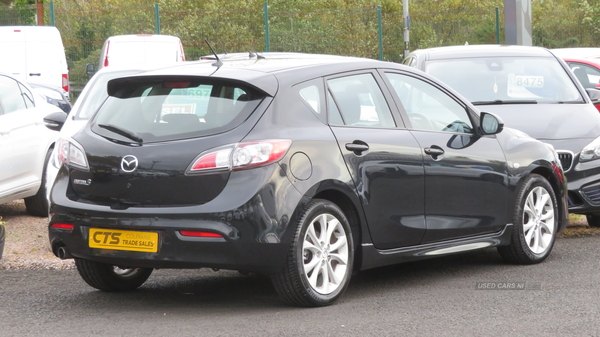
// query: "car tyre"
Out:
[320,260]
[593,220]
[107,277]
[535,223]
[37,205]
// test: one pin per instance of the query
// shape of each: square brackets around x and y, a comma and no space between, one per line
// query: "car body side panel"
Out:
[466,188]
[390,183]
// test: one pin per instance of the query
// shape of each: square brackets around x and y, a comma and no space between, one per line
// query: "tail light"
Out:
[240,156]
[106,54]
[65,82]
[70,153]
[182,53]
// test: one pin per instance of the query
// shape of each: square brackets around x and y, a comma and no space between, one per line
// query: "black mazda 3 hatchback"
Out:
[306,168]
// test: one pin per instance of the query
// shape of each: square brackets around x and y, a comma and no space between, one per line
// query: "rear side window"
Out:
[357,100]
[175,108]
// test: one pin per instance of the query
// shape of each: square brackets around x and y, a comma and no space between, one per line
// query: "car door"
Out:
[384,160]
[22,135]
[465,174]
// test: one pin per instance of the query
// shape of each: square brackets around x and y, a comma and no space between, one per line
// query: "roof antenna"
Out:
[258,56]
[218,63]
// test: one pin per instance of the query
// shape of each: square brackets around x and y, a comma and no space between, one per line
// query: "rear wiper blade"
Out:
[498,102]
[125,133]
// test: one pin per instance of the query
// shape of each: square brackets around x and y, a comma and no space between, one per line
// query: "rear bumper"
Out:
[176,251]
[254,226]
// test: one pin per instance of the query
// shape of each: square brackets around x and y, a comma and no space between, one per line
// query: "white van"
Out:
[136,49]
[34,54]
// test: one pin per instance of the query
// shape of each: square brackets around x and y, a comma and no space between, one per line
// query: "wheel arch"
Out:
[557,182]
[349,203]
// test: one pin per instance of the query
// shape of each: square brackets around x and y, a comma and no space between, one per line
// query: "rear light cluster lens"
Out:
[70,153]
[241,156]
[65,82]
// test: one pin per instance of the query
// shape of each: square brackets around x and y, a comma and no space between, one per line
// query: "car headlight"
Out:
[590,151]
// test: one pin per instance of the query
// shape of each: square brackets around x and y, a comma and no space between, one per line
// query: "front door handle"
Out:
[358,147]
[435,152]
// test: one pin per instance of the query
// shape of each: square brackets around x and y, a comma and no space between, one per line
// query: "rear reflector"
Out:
[200,234]
[63,226]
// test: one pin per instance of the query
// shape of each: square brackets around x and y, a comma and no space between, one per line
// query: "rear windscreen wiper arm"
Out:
[499,101]
[125,133]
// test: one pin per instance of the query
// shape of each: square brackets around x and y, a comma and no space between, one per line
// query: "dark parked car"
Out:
[534,91]
[305,168]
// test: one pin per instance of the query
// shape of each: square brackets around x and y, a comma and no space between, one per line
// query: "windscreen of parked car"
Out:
[156,110]
[483,80]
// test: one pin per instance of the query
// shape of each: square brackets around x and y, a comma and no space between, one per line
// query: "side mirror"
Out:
[490,124]
[90,69]
[55,120]
[594,95]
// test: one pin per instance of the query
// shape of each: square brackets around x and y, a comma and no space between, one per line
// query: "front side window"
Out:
[175,108]
[588,76]
[11,96]
[487,80]
[357,100]
[429,108]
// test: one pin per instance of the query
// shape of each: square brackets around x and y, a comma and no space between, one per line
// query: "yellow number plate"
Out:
[124,240]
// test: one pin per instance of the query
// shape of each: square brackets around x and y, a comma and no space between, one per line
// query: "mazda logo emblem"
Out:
[129,164]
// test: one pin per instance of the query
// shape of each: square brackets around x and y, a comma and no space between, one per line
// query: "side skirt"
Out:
[373,257]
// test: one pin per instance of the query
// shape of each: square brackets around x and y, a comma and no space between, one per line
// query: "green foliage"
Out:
[313,26]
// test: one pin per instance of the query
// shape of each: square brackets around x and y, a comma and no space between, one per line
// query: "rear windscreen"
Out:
[173,109]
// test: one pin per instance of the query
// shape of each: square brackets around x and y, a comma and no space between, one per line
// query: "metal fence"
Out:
[364,32]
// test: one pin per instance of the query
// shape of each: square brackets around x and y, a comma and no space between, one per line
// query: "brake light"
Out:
[200,234]
[70,153]
[106,54]
[176,85]
[182,53]
[241,156]
[65,82]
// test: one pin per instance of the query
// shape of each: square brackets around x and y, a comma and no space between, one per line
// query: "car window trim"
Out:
[471,111]
[383,87]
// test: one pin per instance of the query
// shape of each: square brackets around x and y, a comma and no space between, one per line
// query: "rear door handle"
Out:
[358,147]
[35,74]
